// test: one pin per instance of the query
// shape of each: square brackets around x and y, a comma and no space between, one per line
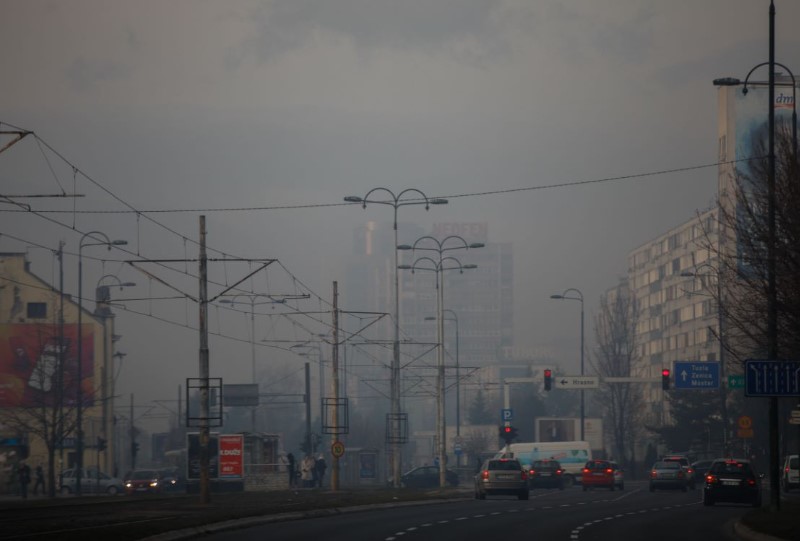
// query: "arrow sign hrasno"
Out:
[576,382]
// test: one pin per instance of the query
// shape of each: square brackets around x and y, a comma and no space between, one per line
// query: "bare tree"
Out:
[616,355]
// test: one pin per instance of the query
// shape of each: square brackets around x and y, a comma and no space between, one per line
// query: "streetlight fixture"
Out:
[99,239]
[253,297]
[439,266]
[566,297]
[396,201]
[722,389]
[458,368]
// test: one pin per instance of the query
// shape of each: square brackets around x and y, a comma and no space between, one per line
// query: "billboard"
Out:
[31,371]
[231,456]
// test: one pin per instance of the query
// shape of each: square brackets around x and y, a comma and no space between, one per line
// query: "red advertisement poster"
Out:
[231,455]
[39,365]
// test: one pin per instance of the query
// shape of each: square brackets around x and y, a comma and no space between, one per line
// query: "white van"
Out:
[572,455]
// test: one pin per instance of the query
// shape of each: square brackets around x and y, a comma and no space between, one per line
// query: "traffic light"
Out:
[101,444]
[665,379]
[548,379]
[508,434]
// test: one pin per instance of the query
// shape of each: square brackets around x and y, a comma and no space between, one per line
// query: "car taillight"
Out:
[609,470]
[559,472]
[585,470]
[653,474]
[711,479]
[524,475]
[690,471]
[751,482]
[532,472]
[786,470]
[485,474]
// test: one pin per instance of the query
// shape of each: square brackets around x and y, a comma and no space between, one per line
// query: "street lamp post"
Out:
[253,297]
[458,368]
[565,296]
[439,266]
[396,201]
[102,300]
[722,383]
[95,236]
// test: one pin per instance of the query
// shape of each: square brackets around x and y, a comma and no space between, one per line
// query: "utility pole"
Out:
[205,492]
[335,385]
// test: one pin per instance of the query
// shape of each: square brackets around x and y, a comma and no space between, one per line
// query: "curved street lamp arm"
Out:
[574,290]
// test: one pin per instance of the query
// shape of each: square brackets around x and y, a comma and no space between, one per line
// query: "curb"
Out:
[196,531]
[749,534]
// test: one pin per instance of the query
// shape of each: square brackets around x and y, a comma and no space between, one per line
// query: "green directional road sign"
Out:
[736,381]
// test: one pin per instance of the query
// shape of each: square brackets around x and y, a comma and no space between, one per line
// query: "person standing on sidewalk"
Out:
[292,470]
[320,466]
[39,481]
[307,471]
[24,473]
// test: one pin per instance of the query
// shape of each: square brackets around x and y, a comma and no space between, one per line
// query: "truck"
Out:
[572,455]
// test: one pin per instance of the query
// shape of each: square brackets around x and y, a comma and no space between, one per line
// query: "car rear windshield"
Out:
[793,463]
[666,465]
[144,474]
[597,465]
[740,468]
[546,465]
[678,459]
[503,465]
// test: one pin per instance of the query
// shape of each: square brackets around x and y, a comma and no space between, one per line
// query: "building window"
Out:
[37,310]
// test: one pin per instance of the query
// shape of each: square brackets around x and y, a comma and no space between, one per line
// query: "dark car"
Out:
[427,477]
[546,474]
[144,482]
[700,468]
[172,480]
[732,480]
[501,476]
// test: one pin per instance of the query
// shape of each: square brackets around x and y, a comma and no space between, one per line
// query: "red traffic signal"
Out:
[665,379]
[548,379]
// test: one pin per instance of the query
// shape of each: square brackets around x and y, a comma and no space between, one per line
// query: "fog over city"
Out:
[576,130]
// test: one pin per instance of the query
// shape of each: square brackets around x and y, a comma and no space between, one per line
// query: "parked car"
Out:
[602,473]
[683,460]
[93,481]
[790,477]
[546,474]
[427,477]
[501,476]
[732,480]
[668,474]
[147,481]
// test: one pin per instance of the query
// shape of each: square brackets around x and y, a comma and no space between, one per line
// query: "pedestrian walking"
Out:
[320,466]
[307,472]
[39,480]
[292,470]
[24,473]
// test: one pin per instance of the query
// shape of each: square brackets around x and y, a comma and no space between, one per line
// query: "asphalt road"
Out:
[570,515]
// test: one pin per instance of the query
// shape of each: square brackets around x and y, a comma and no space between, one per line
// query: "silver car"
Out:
[668,474]
[501,476]
[93,481]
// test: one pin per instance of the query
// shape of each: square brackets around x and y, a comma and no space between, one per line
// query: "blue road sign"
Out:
[507,414]
[696,375]
[771,378]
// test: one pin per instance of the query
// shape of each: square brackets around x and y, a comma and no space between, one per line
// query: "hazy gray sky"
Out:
[186,105]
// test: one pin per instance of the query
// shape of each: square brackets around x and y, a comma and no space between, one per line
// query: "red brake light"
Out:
[711,479]
[751,482]
[585,470]
[559,472]
[653,473]
[533,471]
[485,474]
[609,470]
[524,475]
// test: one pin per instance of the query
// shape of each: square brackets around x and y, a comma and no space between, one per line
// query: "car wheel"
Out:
[481,495]
[652,487]
[585,488]
[523,495]
[112,491]
[561,486]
